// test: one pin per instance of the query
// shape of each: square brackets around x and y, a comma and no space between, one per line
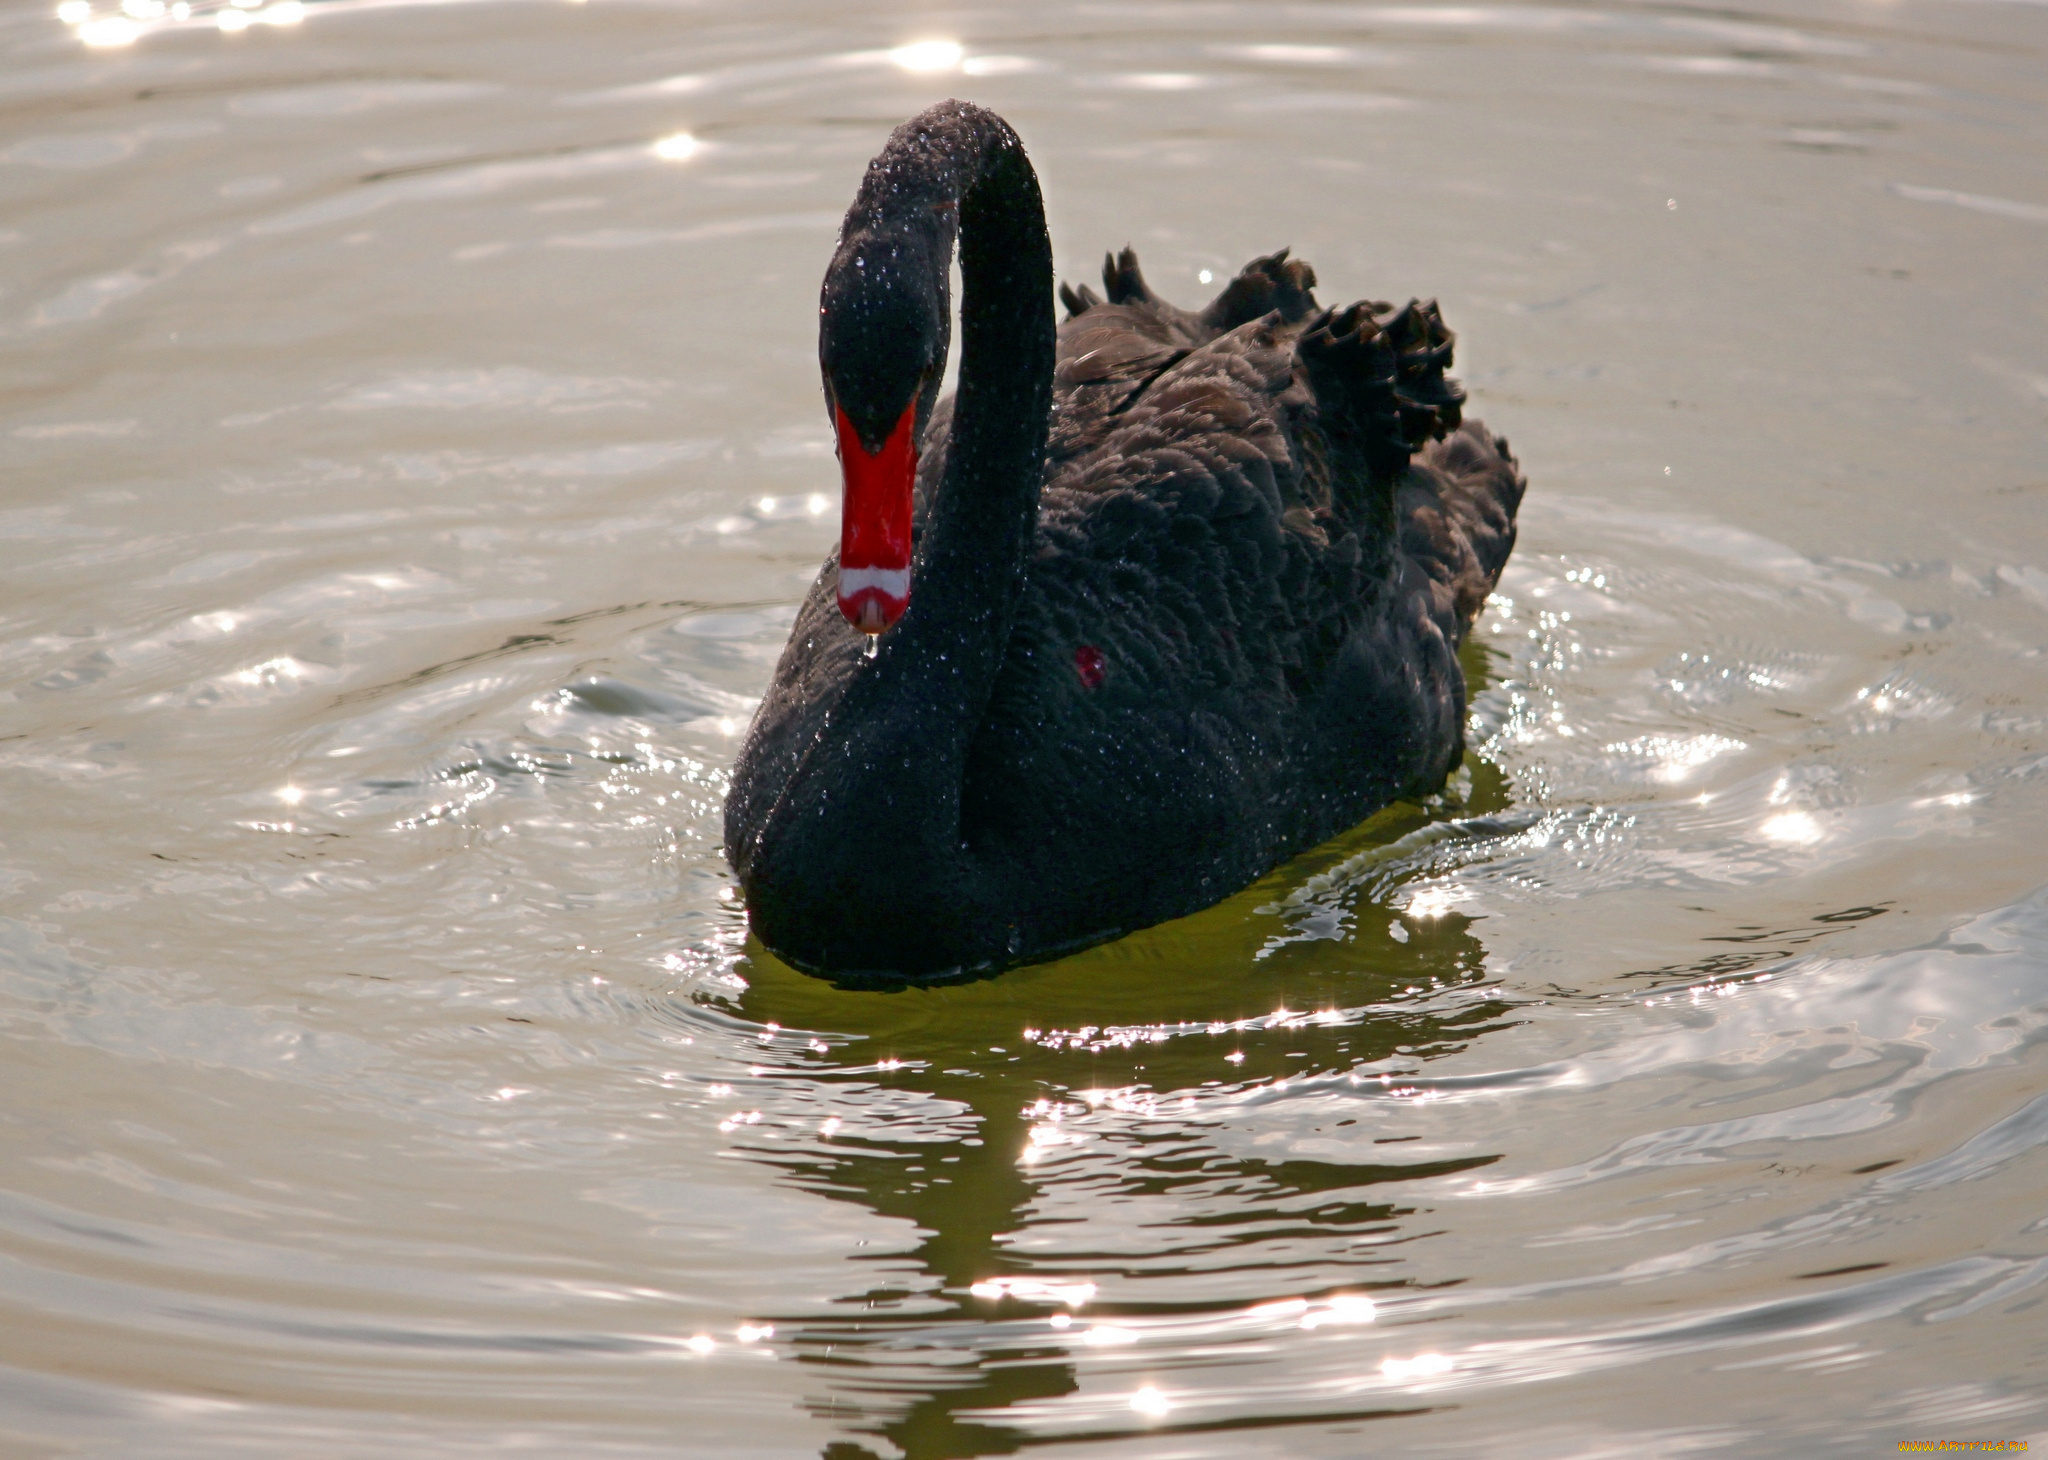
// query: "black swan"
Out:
[1156,601]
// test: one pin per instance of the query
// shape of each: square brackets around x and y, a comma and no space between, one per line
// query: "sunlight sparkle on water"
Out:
[1297,55]
[1149,1401]
[271,671]
[1042,1138]
[922,56]
[1430,903]
[1344,1308]
[1034,1290]
[1792,828]
[1422,1366]
[1674,757]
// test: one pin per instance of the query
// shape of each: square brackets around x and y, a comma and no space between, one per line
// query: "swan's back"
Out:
[1241,622]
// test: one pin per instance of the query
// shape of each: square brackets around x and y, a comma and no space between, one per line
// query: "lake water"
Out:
[414,457]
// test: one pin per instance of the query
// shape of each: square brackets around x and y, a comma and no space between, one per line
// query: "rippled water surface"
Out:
[414,458]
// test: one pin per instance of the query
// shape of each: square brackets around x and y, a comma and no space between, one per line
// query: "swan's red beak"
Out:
[874,525]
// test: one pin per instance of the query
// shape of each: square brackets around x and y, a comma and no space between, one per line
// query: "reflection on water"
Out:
[1138,1160]
[416,463]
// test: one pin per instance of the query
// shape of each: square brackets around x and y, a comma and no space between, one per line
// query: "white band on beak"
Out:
[894,582]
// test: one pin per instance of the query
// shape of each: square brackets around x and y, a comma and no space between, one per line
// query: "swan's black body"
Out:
[1182,606]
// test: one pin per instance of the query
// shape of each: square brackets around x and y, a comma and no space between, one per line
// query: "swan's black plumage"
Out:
[1188,590]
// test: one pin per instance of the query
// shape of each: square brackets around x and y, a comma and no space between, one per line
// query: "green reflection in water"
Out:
[907,1366]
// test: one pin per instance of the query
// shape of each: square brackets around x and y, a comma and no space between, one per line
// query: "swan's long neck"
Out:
[867,836]
[958,160]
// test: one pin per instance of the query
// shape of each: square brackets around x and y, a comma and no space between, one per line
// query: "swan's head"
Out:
[883,326]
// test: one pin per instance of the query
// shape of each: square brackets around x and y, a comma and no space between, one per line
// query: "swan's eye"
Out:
[1090,663]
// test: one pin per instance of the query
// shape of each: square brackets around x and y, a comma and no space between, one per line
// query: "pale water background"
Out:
[413,457]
